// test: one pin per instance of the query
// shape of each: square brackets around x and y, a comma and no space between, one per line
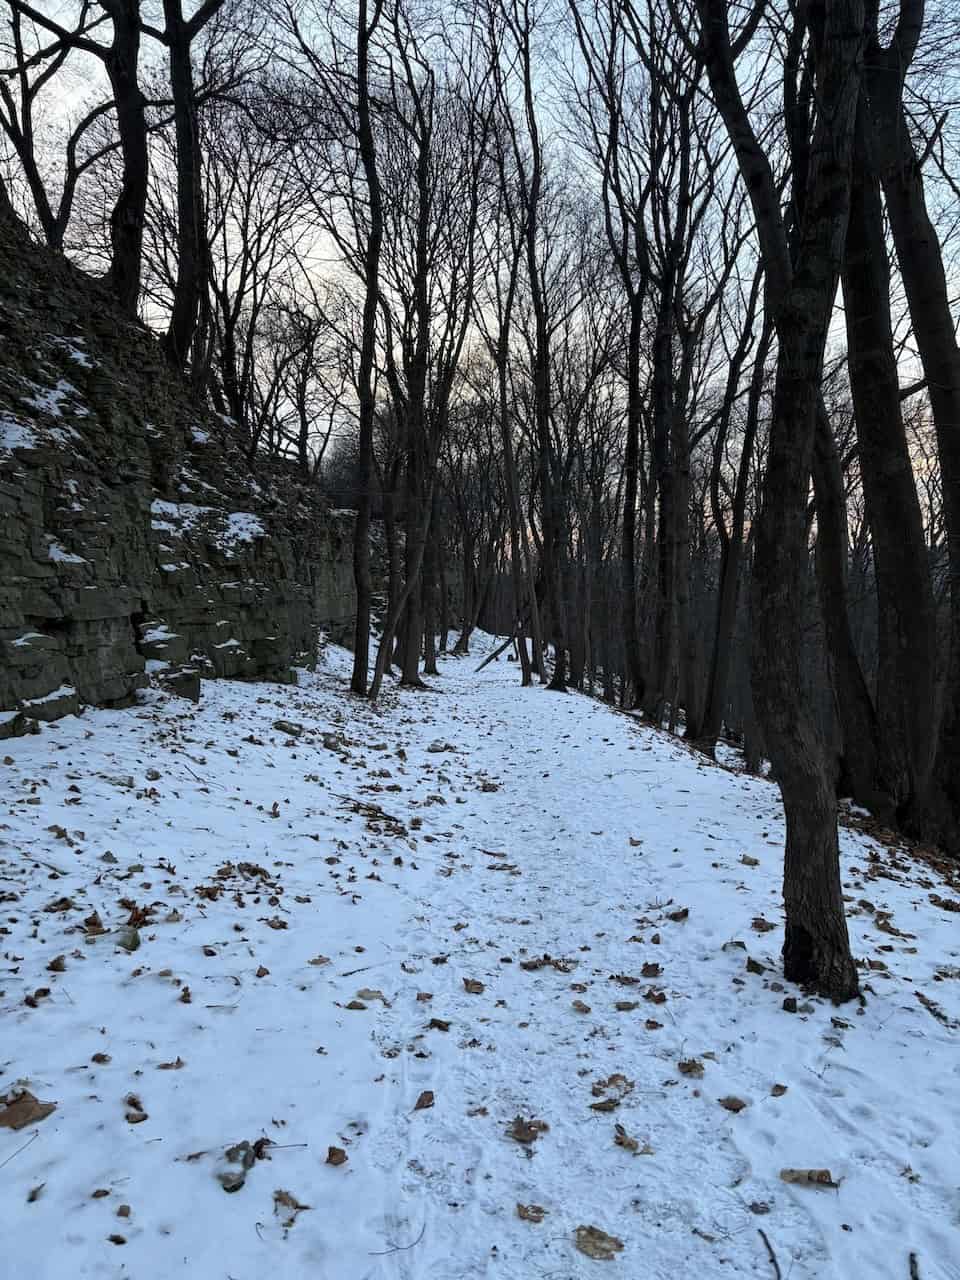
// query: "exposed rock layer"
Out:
[134,539]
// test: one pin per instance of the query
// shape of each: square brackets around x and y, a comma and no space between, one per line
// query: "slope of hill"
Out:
[480,983]
[133,535]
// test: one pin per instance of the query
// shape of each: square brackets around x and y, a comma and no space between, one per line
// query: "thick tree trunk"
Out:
[906,611]
[801,293]
[922,270]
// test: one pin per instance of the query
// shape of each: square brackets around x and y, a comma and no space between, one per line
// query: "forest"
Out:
[625,325]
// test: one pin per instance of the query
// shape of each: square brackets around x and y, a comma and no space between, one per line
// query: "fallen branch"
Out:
[399,1248]
[770,1253]
[36,1135]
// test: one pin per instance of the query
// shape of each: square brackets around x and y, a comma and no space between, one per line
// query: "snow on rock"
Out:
[226,531]
[336,1005]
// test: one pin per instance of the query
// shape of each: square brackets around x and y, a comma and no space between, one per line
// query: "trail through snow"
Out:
[523,904]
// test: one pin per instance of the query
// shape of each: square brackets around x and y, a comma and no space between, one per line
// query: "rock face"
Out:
[135,541]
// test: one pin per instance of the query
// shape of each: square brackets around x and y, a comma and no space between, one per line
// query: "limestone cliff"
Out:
[135,541]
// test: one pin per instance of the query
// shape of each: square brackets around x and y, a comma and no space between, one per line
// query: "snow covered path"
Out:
[500,903]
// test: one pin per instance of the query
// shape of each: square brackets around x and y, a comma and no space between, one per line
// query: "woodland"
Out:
[625,327]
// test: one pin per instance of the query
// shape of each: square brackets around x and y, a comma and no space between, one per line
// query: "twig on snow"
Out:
[36,1135]
[914,1267]
[770,1253]
[399,1248]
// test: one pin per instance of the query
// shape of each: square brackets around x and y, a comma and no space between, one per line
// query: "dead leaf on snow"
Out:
[732,1103]
[626,1006]
[526,1131]
[778,1091]
[761,925]
[531,1212]
[623,1139]
[35,1193]
[597,1244]
[135,1114]
[318,960]
[438,1024]
[24,1109]
[425,1100]
[580,1007]
[473,986]
[691,1067]
[176,1065]
[369,993]
[284,1200]
[808,1177]
[336,1156]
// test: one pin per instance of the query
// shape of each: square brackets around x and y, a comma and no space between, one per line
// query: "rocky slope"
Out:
[135,542]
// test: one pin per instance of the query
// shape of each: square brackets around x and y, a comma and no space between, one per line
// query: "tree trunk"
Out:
[922,270]
[633,665]
[190,218]
[801,294]
[365,371]
[127,216]
[906,609]
[855,711]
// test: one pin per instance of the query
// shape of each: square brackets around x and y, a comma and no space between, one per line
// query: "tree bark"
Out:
[801,296]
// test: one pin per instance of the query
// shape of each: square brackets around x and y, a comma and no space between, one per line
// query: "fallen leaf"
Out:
[318,960]
[778,1091]
[425,1100]
[808,1177]
[284,1200]
[369,993]
[623,1139]
[580,1007]
[336,1156]
[597,1244]
[35,1193]
[626,1006]
[24,1109]
[526,1131]
[474,987]
[176,1065]
[691,1067]
[732,1103]
[531,1212]
[262,972]
[438,1024]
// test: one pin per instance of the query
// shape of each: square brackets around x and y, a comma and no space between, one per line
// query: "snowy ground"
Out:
[517,904]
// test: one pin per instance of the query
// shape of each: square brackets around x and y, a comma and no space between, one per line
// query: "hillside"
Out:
[326,990]
[134,537]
